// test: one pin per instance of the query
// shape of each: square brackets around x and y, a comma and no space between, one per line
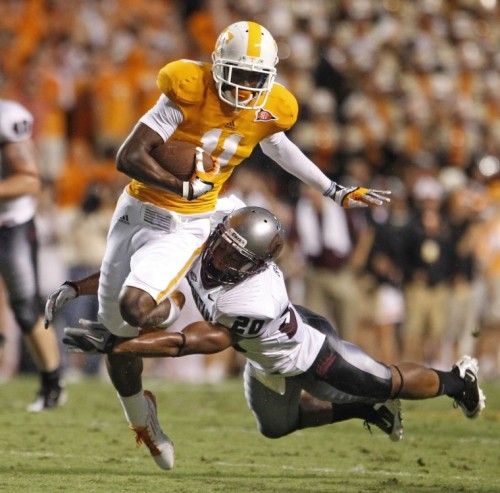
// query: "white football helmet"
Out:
[244,63]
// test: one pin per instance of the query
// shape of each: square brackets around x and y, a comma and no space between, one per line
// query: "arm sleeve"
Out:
[164,117]
[282,150]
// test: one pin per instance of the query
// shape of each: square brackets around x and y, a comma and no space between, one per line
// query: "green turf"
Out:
[86,447]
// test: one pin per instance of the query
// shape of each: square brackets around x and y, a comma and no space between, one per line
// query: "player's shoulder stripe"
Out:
[184,80]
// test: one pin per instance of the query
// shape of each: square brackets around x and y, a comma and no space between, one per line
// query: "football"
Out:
[179,158]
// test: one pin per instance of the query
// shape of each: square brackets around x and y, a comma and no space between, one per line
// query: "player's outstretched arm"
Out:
[196,338]
[282,150]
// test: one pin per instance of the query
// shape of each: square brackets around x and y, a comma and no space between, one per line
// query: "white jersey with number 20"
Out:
[273,336]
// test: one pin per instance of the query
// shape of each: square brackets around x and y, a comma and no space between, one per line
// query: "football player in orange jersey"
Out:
[161,223]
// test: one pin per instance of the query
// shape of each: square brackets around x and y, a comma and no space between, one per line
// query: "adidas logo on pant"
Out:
[124,219]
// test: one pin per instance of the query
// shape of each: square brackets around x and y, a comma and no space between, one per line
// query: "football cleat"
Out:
[471,399]
[47,399]
[389,419]
[160,446]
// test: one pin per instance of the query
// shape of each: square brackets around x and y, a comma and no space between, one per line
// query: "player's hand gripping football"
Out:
[64,293]
[90,338]
[201,181]
[350,197]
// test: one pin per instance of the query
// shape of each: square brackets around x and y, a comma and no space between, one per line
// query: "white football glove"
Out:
[350,197]
[55,301]
[200,183]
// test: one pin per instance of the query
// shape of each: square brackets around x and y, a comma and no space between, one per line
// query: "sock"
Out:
[136,408]
[50,379]
[450,383]
[343,412]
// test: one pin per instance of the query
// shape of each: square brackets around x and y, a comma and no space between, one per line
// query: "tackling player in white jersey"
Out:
[20,184]
[241,295]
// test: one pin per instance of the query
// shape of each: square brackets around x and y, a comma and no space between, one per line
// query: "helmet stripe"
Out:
[254,39]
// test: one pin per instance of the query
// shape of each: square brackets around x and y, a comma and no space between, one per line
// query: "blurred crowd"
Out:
[393,95]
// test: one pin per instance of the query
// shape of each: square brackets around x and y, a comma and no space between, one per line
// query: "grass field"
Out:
[86,447]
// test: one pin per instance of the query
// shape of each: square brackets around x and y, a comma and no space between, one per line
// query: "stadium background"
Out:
[403,95]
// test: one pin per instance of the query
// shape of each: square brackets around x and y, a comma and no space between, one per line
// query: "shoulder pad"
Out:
[16,122]
[259,296]
[183,81]
[284,103]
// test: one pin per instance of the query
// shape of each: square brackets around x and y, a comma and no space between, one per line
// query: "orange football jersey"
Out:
[224,133]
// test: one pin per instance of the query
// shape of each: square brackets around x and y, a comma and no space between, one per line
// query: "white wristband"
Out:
[331,189]
[185,189]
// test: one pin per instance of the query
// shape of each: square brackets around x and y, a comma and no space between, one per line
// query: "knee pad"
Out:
[26,313]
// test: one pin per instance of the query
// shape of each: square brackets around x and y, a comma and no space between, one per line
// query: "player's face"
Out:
[247,78]
[223,264]
[241,79]
[225,257]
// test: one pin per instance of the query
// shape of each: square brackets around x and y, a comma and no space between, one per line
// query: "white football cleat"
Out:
[472,399]
[47,399]
[160,446]
[389,419]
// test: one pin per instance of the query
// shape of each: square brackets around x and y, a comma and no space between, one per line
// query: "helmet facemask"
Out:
[241,246]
